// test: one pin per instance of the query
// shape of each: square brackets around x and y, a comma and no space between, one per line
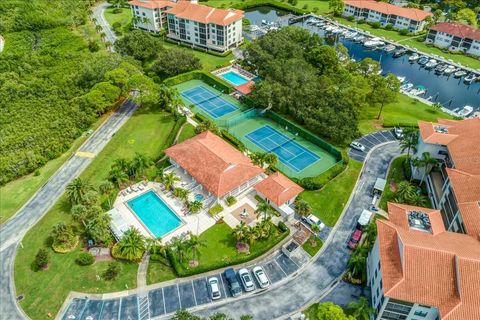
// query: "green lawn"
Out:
[188,131]
[312,250]
[405,112]
[328,202]
[15,193]
[123,17]
[46,291]
[395,175]
[159,271]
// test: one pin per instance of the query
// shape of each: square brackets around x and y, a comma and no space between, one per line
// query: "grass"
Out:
[17,192]
[188,131]
[312,250]
[159,271]
[45,291]
[396,174]
[405,112]
[328,203]
[123,17]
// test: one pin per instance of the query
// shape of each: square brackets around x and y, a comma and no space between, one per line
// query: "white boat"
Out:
[432,63]
[460,73]
[389,48]
[470,78]
[414,57]
[359,38]
[407,86]
[401,79]
[350,35]
[418,91]
[373,43]
[329,27]
[466,111]
[449,70]
[264,22]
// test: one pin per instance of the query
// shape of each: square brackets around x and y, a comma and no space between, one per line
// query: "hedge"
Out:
[200,75]
[189,46]
[271,3]
[232,140]
[215,209]
[172,134]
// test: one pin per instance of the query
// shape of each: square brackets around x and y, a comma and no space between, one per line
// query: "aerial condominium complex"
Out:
[399,17]
[456,37]
[189,22]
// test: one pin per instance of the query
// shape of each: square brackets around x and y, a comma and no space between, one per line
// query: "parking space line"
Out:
[194,295]
[164,303]
[374,138]
[380,133]
[387,134]
[278,264]
[179,299]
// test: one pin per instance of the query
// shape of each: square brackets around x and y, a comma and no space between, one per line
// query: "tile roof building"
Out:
[372,11]
[456,37]
[454,184]
[419,270]
[189,22]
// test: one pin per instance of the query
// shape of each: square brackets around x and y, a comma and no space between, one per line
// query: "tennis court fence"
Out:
[236,119]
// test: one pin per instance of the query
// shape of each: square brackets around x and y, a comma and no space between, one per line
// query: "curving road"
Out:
[14,229]
[98,14]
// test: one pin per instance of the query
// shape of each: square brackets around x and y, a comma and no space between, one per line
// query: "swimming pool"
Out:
[234,78]
[154,213]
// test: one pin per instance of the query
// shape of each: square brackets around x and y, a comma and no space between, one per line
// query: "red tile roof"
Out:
[386,8]
[424,267]
[214,163]
[457,30]
[245,88]
[278,189]
[152,4]
[204,14]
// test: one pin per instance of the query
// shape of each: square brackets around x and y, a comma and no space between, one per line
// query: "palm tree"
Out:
[139,163]
[169,98]
[62,234]
[360,310]
[99,228]
[303,208]
[264,210]
[271,160]
[251,235]
[357,263]
[429,163]
[180,193]
[77,189]
[118,3]
[315,229]
[258,158]
[404,191]
[132,245]
[194,244]
[195,206]
[80,213]
[179,245]
[118,176]
[136,20]
[98,28]
[169,179]
[105,187]
[409,141]
[416,163]
[417,200]
[240,231]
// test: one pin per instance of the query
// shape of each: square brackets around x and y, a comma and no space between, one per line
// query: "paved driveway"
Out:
[98,11]
[370,141]
[14,229]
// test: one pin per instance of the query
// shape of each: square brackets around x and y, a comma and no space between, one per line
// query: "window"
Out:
[420,313]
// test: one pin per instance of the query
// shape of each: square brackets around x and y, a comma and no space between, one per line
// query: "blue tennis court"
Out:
[209,101]
[287,150]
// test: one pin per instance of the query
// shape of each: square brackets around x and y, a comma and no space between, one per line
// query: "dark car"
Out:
[355,238]
[233,284]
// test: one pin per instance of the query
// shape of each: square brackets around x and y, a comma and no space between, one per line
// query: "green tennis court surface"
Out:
[297,157]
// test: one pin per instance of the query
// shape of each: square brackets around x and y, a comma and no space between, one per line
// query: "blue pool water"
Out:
[199,197]
[154,213]
[234,78]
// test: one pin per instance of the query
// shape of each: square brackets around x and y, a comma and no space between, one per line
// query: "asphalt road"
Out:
[14,229]
[101,21]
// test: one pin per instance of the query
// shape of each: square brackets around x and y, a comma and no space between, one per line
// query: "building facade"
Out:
[455,37]
[411,19]
[189,22]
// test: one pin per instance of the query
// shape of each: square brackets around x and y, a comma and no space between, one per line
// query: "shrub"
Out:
[85,259]
[375,25]
[117,10]
[116,25]
[112,271]
[361,21]
[282,226]
[36,173]
[305,6]
[389,26]
[231,200]
[403,32]
[216,209]
[350,18]
[41,259]
[157,257]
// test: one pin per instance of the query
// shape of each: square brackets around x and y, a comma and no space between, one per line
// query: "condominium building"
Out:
[455,37]
[419,270]
[454,183]
[189,22]
[411,19]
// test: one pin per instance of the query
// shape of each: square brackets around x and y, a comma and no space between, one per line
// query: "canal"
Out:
[450,92]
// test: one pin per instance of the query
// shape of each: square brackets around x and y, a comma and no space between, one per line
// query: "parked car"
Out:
[398,132]
[246,280]
[357,146]
[354,239]
[232,282]
[311,219]
[214,288]
[261,277]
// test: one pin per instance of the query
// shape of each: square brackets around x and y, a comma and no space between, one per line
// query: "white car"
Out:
[357,146]
[214,288]
[311,219]
[246,280]
[398,132]
[261,277]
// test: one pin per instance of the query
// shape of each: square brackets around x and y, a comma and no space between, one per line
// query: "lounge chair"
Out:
[129,190]
[141,187]
[134,188]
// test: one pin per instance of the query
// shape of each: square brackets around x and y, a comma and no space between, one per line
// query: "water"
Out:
[234,78]
[451,92]
[154,213]
[199,197]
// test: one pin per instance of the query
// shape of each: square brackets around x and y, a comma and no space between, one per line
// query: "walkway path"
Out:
[14,229]
[142,271]
[98,13]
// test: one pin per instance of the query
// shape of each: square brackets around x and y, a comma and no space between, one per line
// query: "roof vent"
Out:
[440,129]
[419,221]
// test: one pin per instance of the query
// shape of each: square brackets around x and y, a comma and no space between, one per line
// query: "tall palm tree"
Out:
[80,213]
[251,235]
[118,176]
[240,231]
[303,208]
[122,164]
[77,189]
[169,98]
[105,187]
[360,310]
[98,28]
[179,245]
[417,200]
[409,141]
[169,179]
[258,158]
[139,164]
[429,163]
[98,228]
[271,160]
[417,164]
[181,193]
[194,243]
[132,245]
[264,210]
[195,206]
[357,264]
[404,191]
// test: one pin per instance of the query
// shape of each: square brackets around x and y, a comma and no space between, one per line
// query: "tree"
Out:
[174,61]
[117,176]
[64,237]
[112,271]
[302,207]
[428,163]
[147,93]
[194,243]
[264,210]
[76,190]
[132,245]
[358,262]
[118,3]
[315,229]
[271,160]
[105,187]
[80,213]
[409,141]
[467,16]
[139,44]
[195,206]
[251,235]
[417,200]
[384,90]
[360,310]
[98,228]
[404,191]
[182,314]
[179,245]
[139,164]
[181,193]
[336,6]
[41,259]
[240,231]
[258,158]
[169,179]
[169,98]
[330,311]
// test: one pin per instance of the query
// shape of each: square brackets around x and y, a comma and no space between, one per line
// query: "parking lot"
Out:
[369,141]
[184,295]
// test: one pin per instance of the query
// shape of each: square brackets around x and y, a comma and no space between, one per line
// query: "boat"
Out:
[449,70]
[460,73]
[470,78]
[264,22]
[418,91]
[414,57]
[329,27]
[373,43]
[399,52]
[359,38]
[350,35]
[401,79]
[406,86]
[423,60]
[432,63]
[389,48]
[466,111]
[441,68]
